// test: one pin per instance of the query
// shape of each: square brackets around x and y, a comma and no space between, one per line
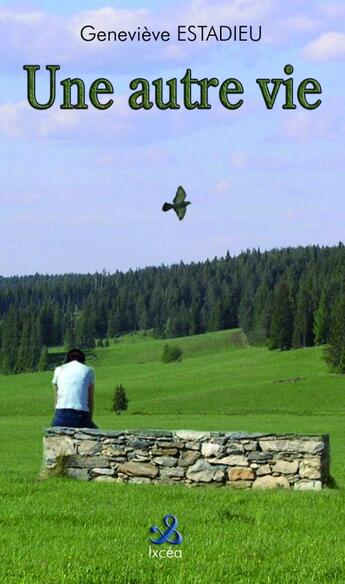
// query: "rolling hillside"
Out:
[63,531]
[219,374]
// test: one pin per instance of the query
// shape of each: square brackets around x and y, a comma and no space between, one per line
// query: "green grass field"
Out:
[61,531]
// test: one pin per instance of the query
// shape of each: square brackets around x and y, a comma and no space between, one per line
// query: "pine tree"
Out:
[101,320]
[120,400]
[215,294]
[141,314]
[5,365]
[114,323]
[86,330]
[195,318]
[169,331]
[268,313]
[258,334]
[43,361]
[58,331]
[48,324]
[246,313]
[322,319]
[25,355]
[282,319]
[35,342]
[215,320]
[69,338]
[10,341]
[303,335]
[335,353]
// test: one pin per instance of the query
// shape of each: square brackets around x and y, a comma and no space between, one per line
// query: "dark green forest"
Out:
[284,298]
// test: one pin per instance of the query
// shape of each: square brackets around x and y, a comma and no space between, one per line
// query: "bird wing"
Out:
[180,212]
[180,195]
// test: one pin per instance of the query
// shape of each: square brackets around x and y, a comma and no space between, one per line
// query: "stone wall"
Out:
[237,460]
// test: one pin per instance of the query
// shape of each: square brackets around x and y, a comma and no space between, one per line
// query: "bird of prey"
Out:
[179,204]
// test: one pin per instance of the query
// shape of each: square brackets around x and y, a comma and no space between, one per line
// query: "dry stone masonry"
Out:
[232,459]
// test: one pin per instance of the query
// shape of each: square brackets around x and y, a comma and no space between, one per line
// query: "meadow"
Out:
[62,531]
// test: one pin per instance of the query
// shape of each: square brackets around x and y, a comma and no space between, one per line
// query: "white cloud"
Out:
[117,125]
[238,160]
[146,156]
[8,17]
[311,126]
[110,17]
[300,127]
[299,24]
[223,186]
[329,46]
[333,10]
[10,114]
[19,120]
[238,11]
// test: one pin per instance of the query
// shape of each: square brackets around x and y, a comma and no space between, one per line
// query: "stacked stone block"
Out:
[232,459]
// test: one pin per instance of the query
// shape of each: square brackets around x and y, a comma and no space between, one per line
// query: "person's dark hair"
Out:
[75,355]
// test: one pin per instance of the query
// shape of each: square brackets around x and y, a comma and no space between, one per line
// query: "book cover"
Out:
[172,292]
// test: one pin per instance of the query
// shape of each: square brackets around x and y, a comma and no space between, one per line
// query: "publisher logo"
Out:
[170,535]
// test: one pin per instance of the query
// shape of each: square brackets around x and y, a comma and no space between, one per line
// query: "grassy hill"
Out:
[219,374]
[63,531]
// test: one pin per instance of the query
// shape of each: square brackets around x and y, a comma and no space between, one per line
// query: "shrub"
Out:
[57,470]
[120,400]
[171,354]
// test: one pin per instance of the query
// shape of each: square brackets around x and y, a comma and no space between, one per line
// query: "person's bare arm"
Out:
[55,385]
[55,394]
[91,398]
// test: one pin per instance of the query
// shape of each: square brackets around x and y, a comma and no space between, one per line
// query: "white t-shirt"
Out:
[73,380]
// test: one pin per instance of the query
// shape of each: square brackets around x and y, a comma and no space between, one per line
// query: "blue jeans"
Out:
[72,419]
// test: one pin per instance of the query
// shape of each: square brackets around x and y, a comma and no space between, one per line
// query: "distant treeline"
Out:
[283,298]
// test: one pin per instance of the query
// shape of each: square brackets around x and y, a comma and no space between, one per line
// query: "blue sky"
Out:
[82,191]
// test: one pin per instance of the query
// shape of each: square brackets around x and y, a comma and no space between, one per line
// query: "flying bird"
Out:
[179,204]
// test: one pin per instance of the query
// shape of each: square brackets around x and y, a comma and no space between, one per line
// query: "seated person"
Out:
[74,384]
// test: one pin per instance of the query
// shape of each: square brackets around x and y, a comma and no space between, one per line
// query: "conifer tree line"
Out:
[286,298]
